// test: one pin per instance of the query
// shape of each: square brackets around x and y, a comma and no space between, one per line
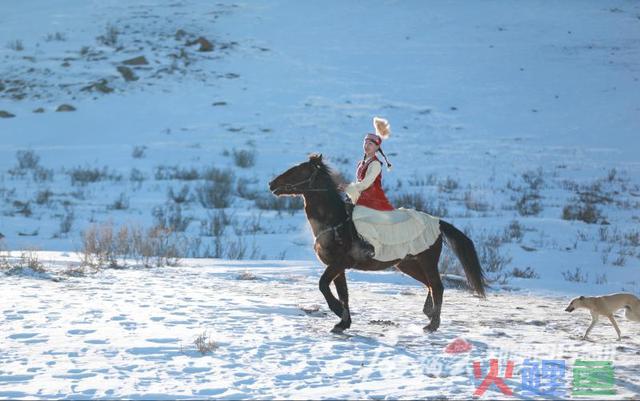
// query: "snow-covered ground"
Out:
[509,120]
[130,334]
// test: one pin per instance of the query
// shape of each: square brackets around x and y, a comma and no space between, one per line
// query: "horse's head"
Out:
[300,178]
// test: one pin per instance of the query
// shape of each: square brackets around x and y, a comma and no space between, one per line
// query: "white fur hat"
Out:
[382,127]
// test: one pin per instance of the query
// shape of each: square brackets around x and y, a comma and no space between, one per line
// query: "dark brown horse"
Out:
[336,242]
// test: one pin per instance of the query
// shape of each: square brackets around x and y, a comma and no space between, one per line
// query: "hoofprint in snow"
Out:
[129,333]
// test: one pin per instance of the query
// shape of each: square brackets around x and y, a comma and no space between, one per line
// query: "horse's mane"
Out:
[331,178]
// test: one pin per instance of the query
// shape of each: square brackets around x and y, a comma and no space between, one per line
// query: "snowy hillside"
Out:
[516,122]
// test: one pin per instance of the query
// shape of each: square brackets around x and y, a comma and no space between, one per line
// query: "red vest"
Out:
[372,197]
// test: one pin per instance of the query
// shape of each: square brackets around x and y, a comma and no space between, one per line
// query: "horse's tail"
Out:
[464,249]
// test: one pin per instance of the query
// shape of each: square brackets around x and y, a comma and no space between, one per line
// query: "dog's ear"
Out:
[581,296]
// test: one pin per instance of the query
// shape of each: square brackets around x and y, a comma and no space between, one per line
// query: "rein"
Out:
[336,235]
[310,181]
[312,177]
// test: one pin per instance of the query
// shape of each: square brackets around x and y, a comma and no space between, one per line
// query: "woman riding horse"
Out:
[394,233]
[405,238]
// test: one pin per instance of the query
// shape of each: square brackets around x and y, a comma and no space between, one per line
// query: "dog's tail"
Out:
[631,314]
[464,249]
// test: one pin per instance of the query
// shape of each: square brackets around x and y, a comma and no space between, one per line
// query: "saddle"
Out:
[361,250]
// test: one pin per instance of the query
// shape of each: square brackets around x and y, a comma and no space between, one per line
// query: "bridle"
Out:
[310,180]
[312,177]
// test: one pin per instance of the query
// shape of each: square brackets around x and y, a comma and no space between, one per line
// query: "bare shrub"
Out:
[251,225]
[170,218]
[15,172]
[23,208]
[514,231]
[204,344]
[601,279]
[475,204]
[160,246]
[528,204]
[423,181]
[57,37]
[16,45]
[595,193]
[418,202]
[283,203]
[527,272]
[102,246]
[75,271]
[605,254]
[79,194]
[577,210]
[448,185]
[225,247]
[138,152]
[121,203]
[215,194]
[575,275]
[180,197]
[137,176]
[110,37]
[620,260]
[176,173]
[41,174]
[633,238]
[167,247]
[585,205]
[86,175]
[243,190]
[44,196]
[27,262]
[198,249]
[98,248]
[491,256]
[27,159]
[217,175]
[236,248]
[66,221]
[534,179]
[215,224]
[244,158]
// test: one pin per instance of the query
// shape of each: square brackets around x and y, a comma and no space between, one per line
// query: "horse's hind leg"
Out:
[412,268]
[427,309]
[429,266]
[343,293]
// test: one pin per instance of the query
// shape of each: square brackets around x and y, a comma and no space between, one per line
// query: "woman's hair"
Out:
[385,158]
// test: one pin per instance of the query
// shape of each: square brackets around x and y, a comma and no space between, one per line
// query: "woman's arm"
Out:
[355,188]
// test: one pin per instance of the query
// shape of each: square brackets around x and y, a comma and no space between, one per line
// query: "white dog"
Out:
[607,305]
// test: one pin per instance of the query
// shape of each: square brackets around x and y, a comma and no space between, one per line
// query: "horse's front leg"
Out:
[343,293]
[327,277]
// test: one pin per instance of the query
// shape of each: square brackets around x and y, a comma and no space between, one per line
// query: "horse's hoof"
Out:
[430,328]
[341,326]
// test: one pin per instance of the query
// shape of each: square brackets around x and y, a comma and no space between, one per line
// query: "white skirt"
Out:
[397,233]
